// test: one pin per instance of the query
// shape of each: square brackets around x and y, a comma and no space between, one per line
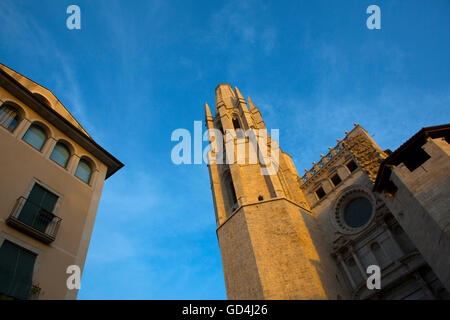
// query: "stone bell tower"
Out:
[271,246]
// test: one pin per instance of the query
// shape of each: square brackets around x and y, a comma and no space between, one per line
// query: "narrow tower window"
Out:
[236,123]
[231,193]
[237,127]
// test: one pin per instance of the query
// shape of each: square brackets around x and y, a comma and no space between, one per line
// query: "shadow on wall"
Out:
[326,267]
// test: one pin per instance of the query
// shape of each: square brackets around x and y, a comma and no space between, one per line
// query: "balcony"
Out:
[34,220]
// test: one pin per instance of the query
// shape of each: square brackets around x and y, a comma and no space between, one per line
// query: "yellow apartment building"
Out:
[52,175]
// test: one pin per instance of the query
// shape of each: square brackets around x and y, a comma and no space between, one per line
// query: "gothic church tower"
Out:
[271,245]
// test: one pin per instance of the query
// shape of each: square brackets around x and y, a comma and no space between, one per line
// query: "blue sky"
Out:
[137,70]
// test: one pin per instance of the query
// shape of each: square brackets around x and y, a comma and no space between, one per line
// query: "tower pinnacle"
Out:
[251,104]
[208,115]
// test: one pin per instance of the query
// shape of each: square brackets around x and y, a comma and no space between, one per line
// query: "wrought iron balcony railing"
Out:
[34,220]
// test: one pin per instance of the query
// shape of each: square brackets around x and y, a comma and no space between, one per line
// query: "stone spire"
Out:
[238,94]
[208,115]
[256,114]
[252,106]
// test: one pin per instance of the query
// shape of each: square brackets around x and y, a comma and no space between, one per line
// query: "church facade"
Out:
[283,236]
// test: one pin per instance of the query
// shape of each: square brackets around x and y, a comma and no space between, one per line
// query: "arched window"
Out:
[228,182]
[236,123]
[379,254]
[9,117]
[354,271]
[60,154]
[237,127]
[35,136]
[84,170]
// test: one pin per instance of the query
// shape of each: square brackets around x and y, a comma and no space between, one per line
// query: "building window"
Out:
[379,255]
[37,212]
[354,271]
[84,170]
[238,128]
[358,212]
[336,179]
[35,136]
[320,193]
[236,123]
[60,154]
[16,265]
[35,215]
[231,192]
[351,166]
[9,117]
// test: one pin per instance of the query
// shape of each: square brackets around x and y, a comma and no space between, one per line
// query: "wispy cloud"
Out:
[240,29]
[30,36]
[391,112]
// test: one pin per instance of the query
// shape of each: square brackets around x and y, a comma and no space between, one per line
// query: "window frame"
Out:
[316,194]
[349,162]
[40,127]
[35,181]
[64,144]
[18,115]
[335,174]
[39,253]
[88,161]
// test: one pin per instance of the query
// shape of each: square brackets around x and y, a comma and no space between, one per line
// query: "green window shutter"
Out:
[16,270]
[49,201]
[39,198]
[43,198]
[24,274]
[8,259]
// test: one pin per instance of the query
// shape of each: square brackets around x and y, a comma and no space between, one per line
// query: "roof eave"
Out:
[26,96]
